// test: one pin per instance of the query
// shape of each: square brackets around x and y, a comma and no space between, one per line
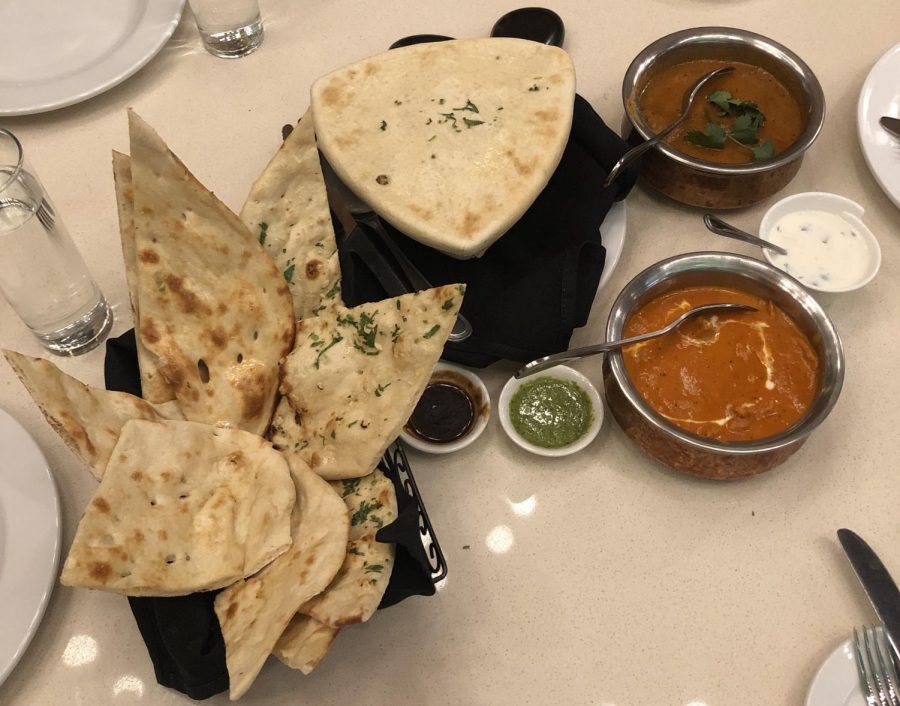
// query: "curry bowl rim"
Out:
[831,365]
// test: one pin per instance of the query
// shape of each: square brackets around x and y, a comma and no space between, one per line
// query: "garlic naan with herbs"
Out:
[451,142]
[287,209]
[355,375]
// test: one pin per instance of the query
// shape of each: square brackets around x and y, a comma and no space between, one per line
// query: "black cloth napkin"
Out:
[534,285]
[182,633]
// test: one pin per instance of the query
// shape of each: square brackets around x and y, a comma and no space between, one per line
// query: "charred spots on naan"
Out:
[470,224]
[253,388]
[522,168]
[217,337]
[100,571]
[188,301]
[100,503]
[148,256]
[313,269]
[149,332]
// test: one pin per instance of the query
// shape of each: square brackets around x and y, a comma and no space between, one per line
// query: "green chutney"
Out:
[551,412]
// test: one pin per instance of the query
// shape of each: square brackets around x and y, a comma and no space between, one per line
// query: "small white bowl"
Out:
[565,373]
[480,398]
[848,210]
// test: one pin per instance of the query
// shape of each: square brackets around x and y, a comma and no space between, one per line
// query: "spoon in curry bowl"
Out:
[548,361]
[686,104]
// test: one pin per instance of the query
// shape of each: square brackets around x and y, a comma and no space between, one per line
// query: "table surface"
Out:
[602,578]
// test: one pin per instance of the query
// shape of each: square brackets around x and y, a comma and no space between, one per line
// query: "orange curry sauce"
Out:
[730,376]
[660,104]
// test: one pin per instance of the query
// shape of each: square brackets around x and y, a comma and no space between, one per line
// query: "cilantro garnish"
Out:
[375,568]
[362,514]
[470,106]
[263,228]
[433,330]
[748,119]
[379,390]
[337,338]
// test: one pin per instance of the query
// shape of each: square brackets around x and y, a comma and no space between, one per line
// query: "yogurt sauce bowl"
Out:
[829,247]
[560,374]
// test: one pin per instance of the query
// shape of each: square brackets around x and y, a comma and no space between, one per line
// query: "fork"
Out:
[876,667]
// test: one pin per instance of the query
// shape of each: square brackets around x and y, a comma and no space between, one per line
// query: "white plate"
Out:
[881,96]
[29,540]
[59,53]
[612,233]
[836,683]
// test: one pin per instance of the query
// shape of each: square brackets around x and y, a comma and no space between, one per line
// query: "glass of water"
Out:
[229,28]
[42,274]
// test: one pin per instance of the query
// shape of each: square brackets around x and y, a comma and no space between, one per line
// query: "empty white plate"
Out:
[837,682]
[29,540]
[59,53]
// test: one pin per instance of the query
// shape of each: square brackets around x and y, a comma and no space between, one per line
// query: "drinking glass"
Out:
[42,274]
[229,28]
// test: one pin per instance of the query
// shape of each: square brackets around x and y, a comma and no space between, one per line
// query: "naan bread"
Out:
[214,309]
[154,387]
[356,591]
[355,377]
[254,613]
[287,209]
[87,418]
[304,643]
[182,507]
[451,141]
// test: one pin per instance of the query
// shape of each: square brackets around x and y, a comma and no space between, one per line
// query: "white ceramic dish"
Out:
[57,54]
[612,231]
[29,540]
[837,683]
[481,400]
[848,210]
[565,373]
[880,96]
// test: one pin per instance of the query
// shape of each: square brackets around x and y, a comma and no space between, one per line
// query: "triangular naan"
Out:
[451,141]
[182,507]
[355,376]
[354,594]
[154,387]
[287,209]
[254,613]
[214,309]
[304,643]
[87,418]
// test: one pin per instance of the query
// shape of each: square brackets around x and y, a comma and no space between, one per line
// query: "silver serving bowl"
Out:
[681,449]
[699,182]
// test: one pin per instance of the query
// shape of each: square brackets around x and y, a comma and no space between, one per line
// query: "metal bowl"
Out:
[699,182]
[681,449]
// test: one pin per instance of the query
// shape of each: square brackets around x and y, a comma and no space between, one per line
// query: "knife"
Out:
[892,125]
[877,582]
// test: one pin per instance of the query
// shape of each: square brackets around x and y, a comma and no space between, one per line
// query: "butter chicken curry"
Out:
[730,377]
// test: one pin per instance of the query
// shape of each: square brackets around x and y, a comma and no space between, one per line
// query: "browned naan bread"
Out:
[214,310]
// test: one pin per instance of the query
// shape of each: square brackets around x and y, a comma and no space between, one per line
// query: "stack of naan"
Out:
[250,464]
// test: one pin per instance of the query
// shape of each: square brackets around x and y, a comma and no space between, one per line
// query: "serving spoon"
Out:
[686,104]
[720,227]
[548,361]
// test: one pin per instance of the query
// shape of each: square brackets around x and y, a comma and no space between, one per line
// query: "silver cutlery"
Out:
[720,227]
[877,671]
[548,361]
[877,583]
[892,125]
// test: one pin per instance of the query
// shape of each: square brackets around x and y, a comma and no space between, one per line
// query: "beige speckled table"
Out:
[601,578]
